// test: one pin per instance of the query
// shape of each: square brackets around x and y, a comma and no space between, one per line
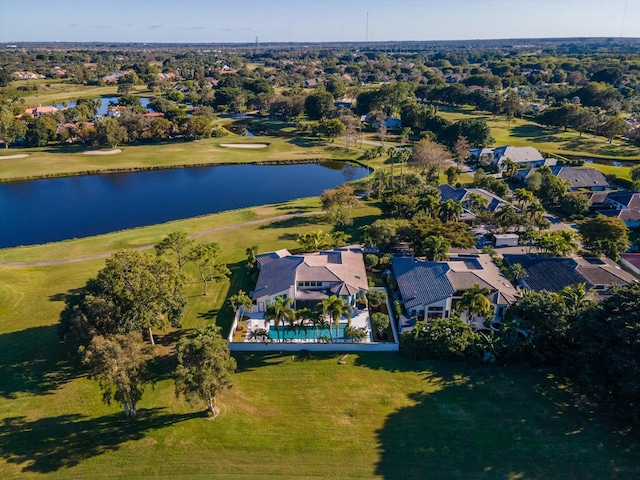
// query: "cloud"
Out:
[72,25]
[192,28]
[99,26]
[126,24]
[154,27]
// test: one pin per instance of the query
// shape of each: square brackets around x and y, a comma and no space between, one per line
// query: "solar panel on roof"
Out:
[595,261]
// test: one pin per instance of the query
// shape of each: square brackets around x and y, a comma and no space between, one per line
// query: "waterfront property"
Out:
[524,156]
[555,273]
[309,278]
[431,290]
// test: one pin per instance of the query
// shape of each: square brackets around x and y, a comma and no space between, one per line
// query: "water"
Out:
[50,210]
[307,333]
[105,104]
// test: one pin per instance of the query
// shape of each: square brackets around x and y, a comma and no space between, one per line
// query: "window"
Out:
[301,284]
[306,284]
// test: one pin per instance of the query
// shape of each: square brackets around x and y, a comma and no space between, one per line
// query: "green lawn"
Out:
[68,160]
[378,416]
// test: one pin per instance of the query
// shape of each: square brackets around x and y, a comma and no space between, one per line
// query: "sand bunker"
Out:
[7,157]
[103,152]
[244,145]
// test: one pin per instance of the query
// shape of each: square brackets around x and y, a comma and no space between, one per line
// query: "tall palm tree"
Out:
[518,272]
[510,168]
[475,302]
[477,202]
[524,197]
[314,241]
[339,307]
[431,205]
[279,311]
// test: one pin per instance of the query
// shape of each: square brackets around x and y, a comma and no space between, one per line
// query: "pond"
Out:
[50,210]
[105,104]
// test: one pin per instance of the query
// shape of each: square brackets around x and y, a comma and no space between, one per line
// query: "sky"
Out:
[232,21]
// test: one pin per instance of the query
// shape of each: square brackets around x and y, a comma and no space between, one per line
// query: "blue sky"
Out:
[312,20]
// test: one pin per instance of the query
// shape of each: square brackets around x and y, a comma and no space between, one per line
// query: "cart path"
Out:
[39,263]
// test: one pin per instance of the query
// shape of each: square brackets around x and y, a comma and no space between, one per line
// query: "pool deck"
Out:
[359,319]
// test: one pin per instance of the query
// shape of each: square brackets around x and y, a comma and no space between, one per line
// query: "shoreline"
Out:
[110,171]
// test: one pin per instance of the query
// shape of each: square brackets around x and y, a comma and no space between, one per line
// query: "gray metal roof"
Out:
[277,276]
[580,177]
[421,283]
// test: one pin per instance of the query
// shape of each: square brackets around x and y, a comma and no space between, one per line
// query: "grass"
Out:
[378,416]
[69,160]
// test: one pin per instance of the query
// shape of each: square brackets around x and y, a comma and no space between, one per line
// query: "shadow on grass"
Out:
[50,444]
[240,279]
[252,361]
[306,142]
[492,422]
[295,222]
[32,361]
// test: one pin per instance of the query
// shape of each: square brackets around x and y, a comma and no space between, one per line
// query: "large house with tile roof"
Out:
[310,277]
[463,195]
[555,273]
[430,290]
[528,156]
[578,177]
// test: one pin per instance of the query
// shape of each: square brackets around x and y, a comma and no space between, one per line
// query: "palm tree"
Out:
[477,202]
[339,238]
[335,307]
[518,272]
[450,211]
[574,296]
[241,301]
[313,241]
[475,302]
[510,168]
[251,257]
[524,197]
[339,307]
[431,205]
[438,246]
[279,311]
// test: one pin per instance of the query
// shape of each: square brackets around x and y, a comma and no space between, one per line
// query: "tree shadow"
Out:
[306,142]
[32,361]
[240,279]
[210,314]
[49,444]
[289,236]
[61,297]
[294,222]
[494,422]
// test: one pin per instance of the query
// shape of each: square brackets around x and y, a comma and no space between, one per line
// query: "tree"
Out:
[440,338]
[178,244]
[635,174]
[512,104]
[575,297]
[450,211]
[605,235]
[437,247]
[205,256]
[339,203]
[380,322]
[160,128]
[475,302]
[134,292]
[461,148]
[376,299]
[241,301]
[518,272]
[109,132]
[278,311]
[314,241]
[37,134]
[318,104]
[204,366]
[331,128]
[452,174]
[613,127]
[10,128]
[606,354]
[336,307]
[430,157]
[118,363]
[199,126]
[252,261]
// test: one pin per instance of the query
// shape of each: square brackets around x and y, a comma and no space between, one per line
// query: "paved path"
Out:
[148,247]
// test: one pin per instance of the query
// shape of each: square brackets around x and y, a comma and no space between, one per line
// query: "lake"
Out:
[50,210]
[105,104]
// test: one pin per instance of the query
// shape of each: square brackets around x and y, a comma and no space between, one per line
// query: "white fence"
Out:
[313,347]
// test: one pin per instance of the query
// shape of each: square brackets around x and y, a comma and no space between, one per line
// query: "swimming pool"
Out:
[304,333]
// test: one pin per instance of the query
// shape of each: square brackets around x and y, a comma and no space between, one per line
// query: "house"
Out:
[631,261]
[497,155]
[430,290]
[41,110]
[505,240]
[622,205]
[463,195]
[581,177]
[390,123]
[309,278]
[555,273]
